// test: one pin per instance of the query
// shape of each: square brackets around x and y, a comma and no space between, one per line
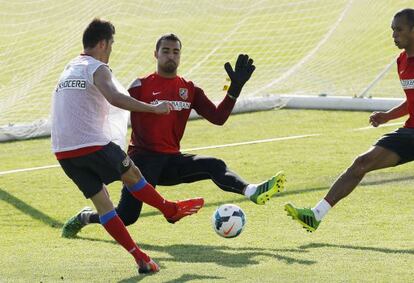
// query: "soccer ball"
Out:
[228,220]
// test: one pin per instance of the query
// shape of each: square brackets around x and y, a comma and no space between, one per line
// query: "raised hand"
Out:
[242,72]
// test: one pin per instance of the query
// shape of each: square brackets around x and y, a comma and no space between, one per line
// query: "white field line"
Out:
[184,150]
[213,146]
[380,126]
[251,142]
[28,169]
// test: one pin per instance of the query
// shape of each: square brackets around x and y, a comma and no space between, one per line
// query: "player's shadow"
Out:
[220,255]
[182,279]
[29,210]
[53,223]
[360,248]
[382,181]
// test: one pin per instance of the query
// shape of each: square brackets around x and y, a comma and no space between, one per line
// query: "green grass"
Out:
[367,237]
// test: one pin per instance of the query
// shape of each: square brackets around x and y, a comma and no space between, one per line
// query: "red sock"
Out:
[146,193]
[116,228]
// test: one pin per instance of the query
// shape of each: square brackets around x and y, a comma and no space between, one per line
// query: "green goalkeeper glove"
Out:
[240,75]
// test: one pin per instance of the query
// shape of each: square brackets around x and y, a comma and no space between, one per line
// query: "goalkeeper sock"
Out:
[250,190]
[116,228]
[146,193]
[321,209]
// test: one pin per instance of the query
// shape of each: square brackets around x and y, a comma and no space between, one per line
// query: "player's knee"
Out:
[210,163]
[128,218]
[131,176]
[218,163]
[361,165]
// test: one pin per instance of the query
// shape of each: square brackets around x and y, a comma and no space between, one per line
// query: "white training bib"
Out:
[118,119]
[79,110]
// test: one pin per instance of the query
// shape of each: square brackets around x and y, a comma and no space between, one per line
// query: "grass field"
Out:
[368,237]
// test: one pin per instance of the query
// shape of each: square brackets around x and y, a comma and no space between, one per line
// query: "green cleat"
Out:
[267,189]
[72,227]
[304,216]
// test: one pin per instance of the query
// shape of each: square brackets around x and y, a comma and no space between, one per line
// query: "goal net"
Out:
[312,47]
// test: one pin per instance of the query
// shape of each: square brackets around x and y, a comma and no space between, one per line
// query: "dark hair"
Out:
[408,14]
[171,37]
[96,31]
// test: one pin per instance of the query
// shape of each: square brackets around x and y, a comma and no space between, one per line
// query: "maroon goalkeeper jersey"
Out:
[163,133]
[406,74]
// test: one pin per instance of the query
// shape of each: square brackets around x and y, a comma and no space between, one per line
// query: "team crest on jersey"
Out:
[183,92]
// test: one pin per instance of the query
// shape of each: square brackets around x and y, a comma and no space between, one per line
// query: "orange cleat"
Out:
[186,208]
[148,267]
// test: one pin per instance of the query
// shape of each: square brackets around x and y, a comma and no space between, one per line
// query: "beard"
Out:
[169,67]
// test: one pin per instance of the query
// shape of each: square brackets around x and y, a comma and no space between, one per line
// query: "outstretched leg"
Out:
[143,191]
[188,168]
[129,208]
[375,158]
[135,191]
[116,228]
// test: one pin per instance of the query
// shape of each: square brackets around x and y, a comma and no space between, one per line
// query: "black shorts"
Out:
[91,171]
[401,142]
[166,169]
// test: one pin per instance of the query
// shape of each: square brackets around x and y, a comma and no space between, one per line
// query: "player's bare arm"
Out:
[103,81]
[378,118]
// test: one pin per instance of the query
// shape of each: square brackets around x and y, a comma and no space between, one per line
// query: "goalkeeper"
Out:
[155,139]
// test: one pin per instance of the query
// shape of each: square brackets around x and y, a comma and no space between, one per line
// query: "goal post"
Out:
[311,48]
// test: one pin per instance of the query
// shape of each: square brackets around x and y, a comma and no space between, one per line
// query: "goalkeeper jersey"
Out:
[406,74]
[163,133]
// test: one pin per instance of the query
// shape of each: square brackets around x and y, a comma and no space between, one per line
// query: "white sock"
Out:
[321,209]
[250,190]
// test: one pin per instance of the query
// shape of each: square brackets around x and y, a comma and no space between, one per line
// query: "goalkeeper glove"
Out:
[240,75]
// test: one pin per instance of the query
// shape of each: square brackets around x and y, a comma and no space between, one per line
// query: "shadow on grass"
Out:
[40,216]
[361,248]
[183,278]
[220,255]
[29,210]
[386,181]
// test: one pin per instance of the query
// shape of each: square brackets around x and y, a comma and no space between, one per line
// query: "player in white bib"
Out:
[82,134]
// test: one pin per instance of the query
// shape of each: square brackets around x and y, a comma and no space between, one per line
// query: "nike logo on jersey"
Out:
[156,92]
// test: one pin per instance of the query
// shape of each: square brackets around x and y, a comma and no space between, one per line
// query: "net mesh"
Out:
[300,47]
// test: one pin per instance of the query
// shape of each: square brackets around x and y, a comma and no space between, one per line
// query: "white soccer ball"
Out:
[228,220]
